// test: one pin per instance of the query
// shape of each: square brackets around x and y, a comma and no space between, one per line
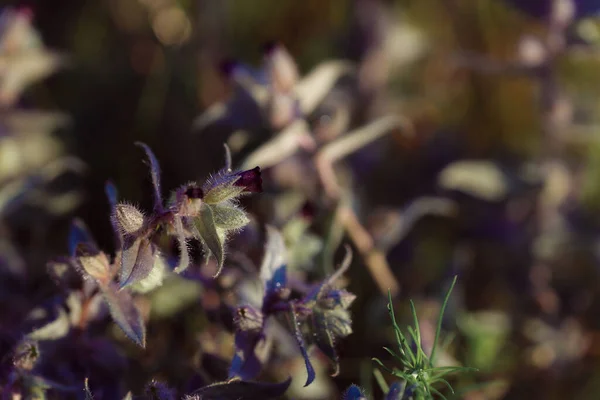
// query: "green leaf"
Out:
[439,322]
[207,232]
[229,217]
[222,192]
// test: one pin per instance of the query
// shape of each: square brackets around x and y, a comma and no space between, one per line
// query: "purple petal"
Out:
[250,180]
[300,340]
[111,193]
[245,364]
[79,233]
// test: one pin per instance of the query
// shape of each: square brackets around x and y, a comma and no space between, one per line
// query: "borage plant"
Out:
[319,313]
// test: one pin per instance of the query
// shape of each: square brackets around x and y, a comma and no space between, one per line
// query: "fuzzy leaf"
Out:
[184,255]
[229,217]
[354,393]
[53,330]
[125,313]
[208,234]
[300,340]
[222,192]
[137,260]
[79,233]
[155,172]
[243,390]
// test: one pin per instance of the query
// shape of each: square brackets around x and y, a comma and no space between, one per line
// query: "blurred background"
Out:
[497,184]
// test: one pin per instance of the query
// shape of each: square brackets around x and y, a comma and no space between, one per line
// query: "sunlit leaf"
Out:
[482,179]
[93,263]
[272,269]
[53,330]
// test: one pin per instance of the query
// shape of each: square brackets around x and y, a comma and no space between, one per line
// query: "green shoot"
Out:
[416,369]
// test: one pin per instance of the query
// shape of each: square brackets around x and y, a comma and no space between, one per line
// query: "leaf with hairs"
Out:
[229,217]
[125,313]
[137,260]
[207,232]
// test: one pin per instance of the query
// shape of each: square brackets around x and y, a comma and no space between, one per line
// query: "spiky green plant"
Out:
[417,371]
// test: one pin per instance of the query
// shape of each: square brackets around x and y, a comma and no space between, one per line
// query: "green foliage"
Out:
[416,369]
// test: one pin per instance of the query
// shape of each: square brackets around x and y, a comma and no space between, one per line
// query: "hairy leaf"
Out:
[184,255]
[208,234]
[125,313]
[229,217]
[137,260]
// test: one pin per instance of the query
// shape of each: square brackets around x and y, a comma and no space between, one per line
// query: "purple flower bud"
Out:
[250,180]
